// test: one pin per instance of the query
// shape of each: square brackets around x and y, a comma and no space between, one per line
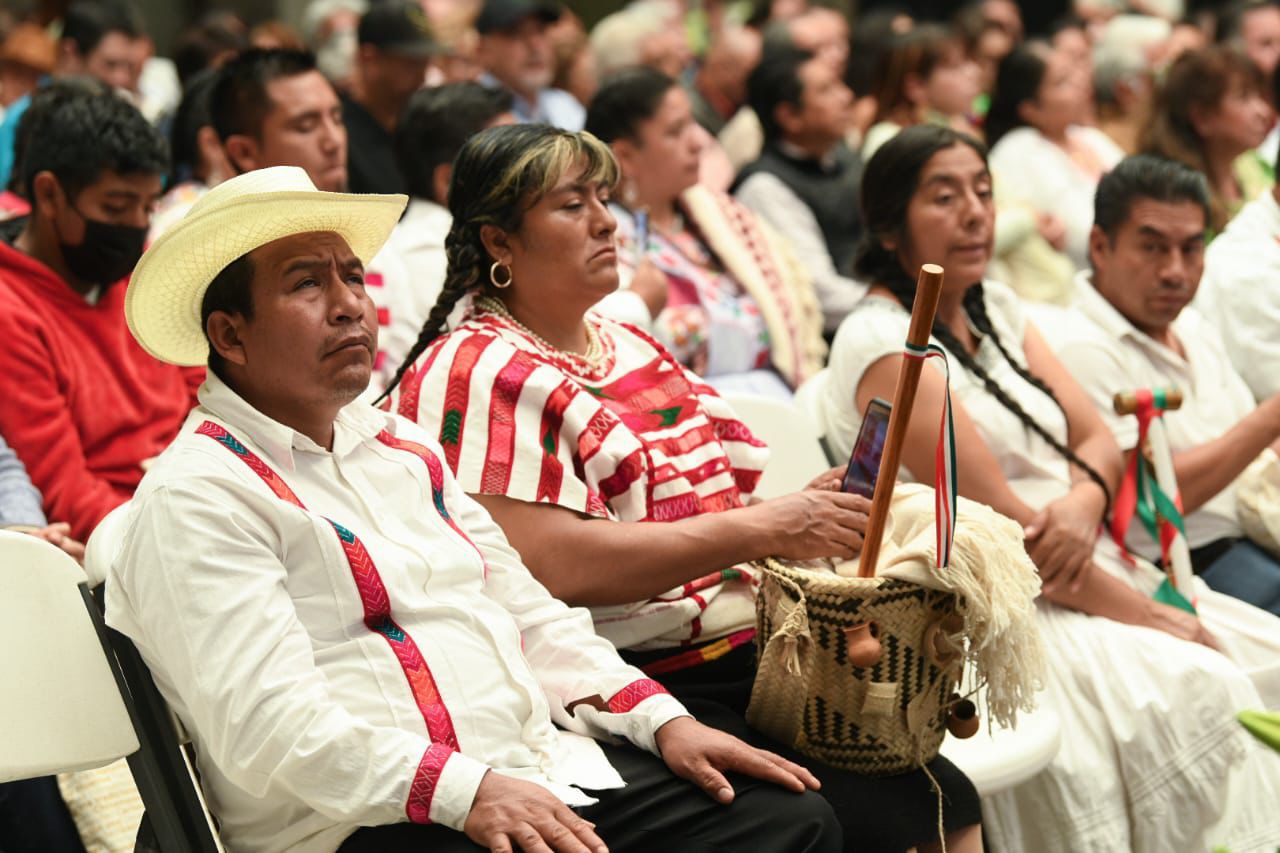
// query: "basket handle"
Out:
[768,567]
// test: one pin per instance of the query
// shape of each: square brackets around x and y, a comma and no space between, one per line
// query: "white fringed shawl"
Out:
[995,580]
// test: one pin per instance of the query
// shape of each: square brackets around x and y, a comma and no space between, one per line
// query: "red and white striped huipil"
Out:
[634,437]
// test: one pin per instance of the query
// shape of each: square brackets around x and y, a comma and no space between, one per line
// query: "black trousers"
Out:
[879,814]
[658,813]
[34,819]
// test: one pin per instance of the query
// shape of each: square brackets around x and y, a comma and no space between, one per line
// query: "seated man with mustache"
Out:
[1132,328]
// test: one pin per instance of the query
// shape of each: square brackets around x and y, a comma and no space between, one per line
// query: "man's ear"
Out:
[224,332]
[496,243]
[440,176]
[787,115]
[45,194]
[1099,246]
[242,152]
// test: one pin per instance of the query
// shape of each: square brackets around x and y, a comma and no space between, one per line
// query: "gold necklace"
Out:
[595,350]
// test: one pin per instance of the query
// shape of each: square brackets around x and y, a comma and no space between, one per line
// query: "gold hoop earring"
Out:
[493,275]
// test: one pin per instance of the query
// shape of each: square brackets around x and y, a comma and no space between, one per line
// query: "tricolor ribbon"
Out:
[1140,494]
[1161,514]
[944,484]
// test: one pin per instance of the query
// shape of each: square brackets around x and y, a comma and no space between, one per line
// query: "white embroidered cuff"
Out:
[658,711]
[455,788]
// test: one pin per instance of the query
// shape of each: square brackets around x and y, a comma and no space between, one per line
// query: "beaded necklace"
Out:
[592,358]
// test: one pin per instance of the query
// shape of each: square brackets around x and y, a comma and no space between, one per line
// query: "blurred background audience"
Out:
[742,129]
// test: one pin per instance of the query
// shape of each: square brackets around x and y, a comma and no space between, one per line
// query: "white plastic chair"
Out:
[795,452]
[808,397]
[60,707]
[1001,759]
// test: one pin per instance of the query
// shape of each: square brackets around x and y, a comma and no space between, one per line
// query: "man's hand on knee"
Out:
[701,754]
[509,814]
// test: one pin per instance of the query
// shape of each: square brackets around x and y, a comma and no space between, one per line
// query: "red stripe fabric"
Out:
[377,618]
[457,396]
[502,424]
[423,789]
[695,657]
[410,387]
[633,694]
[552,474]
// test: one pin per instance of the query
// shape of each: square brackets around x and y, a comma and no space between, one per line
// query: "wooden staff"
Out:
[928,289]
[1126,403]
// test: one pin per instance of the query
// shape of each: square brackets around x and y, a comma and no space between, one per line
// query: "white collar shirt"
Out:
[1106,354]
[307,722]
[1238,293]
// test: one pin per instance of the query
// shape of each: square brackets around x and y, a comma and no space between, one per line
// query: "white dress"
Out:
[1152,757]
[1037,172]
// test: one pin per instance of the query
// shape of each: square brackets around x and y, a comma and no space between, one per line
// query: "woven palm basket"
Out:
[882,719]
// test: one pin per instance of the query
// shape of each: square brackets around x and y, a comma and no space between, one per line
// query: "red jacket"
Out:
[80,402]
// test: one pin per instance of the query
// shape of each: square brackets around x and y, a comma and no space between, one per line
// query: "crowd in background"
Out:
[774,160]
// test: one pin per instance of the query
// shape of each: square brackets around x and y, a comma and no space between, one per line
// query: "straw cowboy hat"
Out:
[162,304]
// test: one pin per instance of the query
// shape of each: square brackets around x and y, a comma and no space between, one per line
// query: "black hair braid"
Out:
[465,259]
[975,307]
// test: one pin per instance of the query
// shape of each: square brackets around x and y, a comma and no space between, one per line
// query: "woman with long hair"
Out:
[1152,758]
[1211,113]
[924,76]
[623,479]
[1041,151]
[724,293]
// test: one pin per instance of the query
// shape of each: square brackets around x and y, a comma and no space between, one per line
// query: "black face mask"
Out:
[106,254]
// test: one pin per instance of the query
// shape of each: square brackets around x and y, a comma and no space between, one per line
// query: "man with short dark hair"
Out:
[83,407]
[805,182]
[275,108]
[516,55]
[431,132]
[1131,328]
[97,40]
[395,46]
[353,645]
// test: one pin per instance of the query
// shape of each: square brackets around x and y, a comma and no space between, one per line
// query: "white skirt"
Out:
[1152,757]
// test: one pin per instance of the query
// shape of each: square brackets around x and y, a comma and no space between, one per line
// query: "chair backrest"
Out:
[795,453]
[177,818]
[60,707]
[808,400]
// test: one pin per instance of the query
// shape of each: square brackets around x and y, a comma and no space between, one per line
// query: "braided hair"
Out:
[888,183]
[500,173]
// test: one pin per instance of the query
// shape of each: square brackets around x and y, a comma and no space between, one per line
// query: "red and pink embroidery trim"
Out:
[377,617]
